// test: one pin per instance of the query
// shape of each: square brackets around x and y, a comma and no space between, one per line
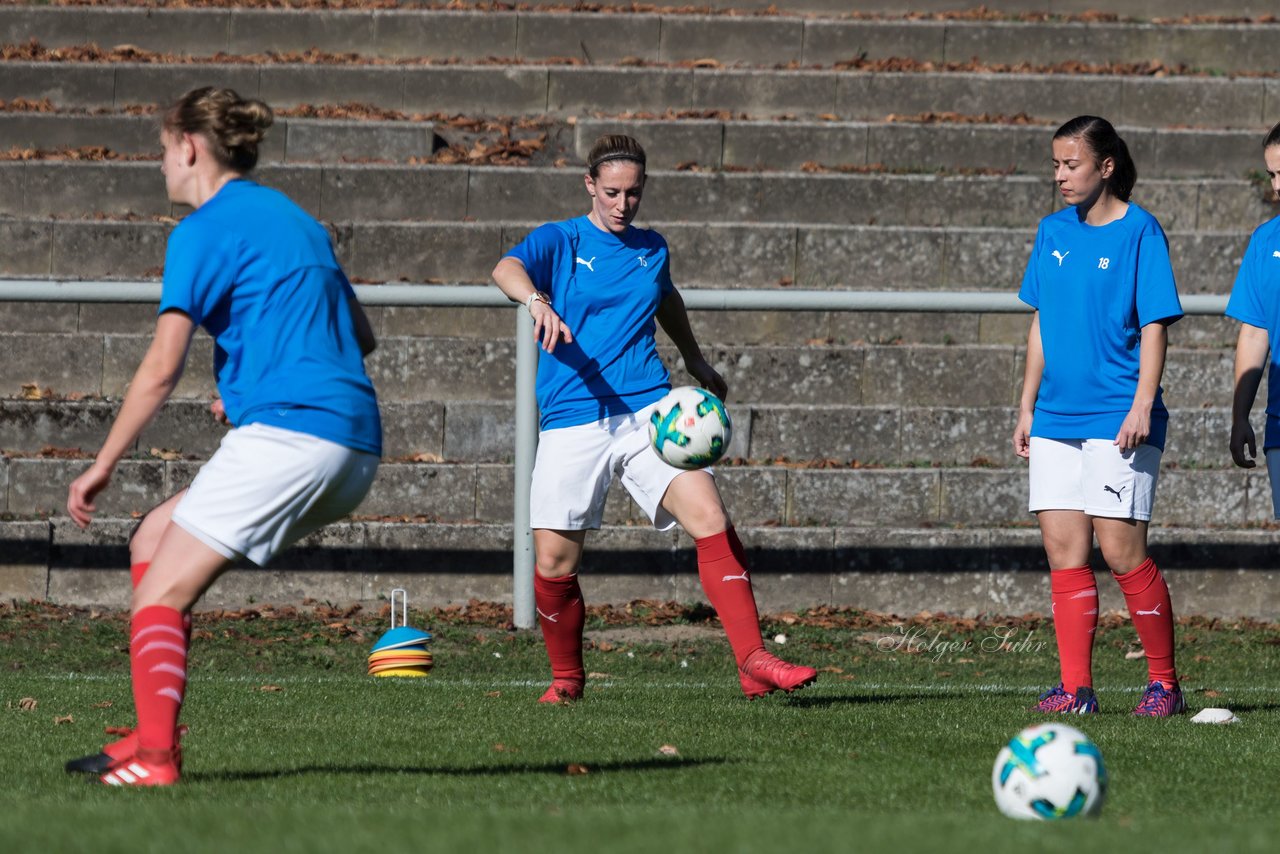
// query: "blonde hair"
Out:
[233,126]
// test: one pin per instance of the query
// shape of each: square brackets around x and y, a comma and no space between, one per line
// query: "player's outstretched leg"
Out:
[727,583]
[562,614]
[1147,596]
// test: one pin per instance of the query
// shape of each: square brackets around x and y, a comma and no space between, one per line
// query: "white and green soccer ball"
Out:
[1048,772]
[690,428]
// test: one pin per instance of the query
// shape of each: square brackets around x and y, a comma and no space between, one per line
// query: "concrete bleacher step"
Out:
[893,569]
[722,254]
[1126,9]
[918,432]
[935,516]
[763,144]
[533,35]
[560,90]
[755,495]
[348,192]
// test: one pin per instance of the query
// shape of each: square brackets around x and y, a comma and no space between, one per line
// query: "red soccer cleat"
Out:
[123,748]
[563,691]
[1161,702]
[145,768]
[1058,700]
[763,673]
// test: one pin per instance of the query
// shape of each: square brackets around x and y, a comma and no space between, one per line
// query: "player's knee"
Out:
[1121,561]
[705,519]
[554,564]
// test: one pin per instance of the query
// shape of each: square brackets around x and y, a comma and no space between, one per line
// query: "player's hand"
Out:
[1022,435]
[219,412]
[708,377]
[1135,429]
[548,328]
[1241,438]
[83,491]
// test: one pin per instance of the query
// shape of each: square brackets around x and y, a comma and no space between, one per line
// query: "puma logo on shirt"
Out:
[1061,256]
[587,264]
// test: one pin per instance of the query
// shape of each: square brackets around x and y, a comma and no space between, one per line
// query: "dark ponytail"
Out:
[1100,137]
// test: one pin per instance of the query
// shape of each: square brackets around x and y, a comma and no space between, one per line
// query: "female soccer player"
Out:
[1256,304]
[1091,419]
[259,274]
[595,285]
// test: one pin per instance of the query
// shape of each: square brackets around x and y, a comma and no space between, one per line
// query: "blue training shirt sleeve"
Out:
[1030,290]
[1245,303]
[1157,292]
[538,253]
[197,272]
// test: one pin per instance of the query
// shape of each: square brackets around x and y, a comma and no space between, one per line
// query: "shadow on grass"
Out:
[822,702]
[559,769]
[1243,708]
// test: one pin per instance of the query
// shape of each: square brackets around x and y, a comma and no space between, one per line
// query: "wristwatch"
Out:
[536,296]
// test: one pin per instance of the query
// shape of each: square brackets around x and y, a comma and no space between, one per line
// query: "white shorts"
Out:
[266,488]
[1093,476]
[1273,470]
[575,466]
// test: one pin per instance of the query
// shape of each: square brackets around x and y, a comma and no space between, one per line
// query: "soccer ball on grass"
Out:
[690,428]
[1049,771]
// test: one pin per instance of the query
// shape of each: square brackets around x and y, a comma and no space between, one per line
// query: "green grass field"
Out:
[293,749]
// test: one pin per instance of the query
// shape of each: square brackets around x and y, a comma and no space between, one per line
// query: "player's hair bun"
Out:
[233,126]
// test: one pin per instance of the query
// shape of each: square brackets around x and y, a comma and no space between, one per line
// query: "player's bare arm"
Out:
[1030,389]
[1252,348]
[513,280]
[674,320]
[1137,424]
[156,378]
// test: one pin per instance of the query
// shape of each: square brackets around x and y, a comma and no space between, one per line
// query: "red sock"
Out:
[158,663]
[1147,596]
[136,571]
[561,613]
[722,569]
[1075,620]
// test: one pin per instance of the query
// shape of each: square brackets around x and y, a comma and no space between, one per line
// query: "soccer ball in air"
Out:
[1049,771]
[689,428]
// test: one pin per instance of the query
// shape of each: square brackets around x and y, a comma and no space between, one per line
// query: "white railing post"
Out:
[526,448]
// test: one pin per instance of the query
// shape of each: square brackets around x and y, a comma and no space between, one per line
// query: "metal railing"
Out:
[526,437]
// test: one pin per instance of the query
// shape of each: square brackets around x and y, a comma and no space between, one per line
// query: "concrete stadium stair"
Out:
[874,466]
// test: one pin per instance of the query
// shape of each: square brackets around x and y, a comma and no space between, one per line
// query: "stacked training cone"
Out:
[402,651]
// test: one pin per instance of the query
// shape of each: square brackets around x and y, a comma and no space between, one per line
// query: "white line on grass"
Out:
[614,682]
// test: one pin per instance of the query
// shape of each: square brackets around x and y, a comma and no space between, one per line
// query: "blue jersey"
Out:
[1095,288]
[259,274]
[607,288]
[1255,300]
